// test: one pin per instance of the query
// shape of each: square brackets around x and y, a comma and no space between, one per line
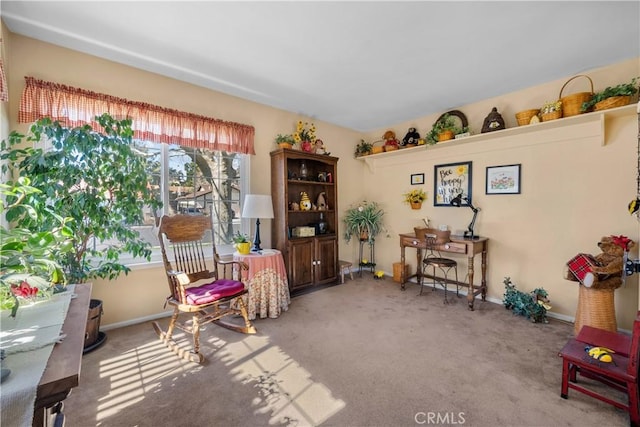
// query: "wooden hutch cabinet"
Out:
[310,259]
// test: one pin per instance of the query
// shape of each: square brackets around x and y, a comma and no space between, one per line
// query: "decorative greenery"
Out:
[27,265]
[240,238]
[285,139]
[95,178]
[533,305]
[446,122]
[364,218]
[363,148]
[550,107]
[623,89]
[415,196]
[305,132]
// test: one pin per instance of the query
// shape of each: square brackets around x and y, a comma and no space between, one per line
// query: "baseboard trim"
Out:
[135,321]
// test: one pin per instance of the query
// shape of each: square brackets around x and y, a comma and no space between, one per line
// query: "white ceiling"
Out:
[362,65]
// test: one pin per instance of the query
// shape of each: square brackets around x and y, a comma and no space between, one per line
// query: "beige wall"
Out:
[574,190]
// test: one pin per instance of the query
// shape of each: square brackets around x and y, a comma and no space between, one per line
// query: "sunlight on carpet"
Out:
[284,389]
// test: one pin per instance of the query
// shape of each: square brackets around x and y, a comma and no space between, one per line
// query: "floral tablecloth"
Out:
[267,282]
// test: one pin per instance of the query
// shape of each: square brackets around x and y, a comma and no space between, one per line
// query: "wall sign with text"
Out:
[450,180]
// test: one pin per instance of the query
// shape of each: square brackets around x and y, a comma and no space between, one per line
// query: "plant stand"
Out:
[596,308]
[371,261]
[93,337]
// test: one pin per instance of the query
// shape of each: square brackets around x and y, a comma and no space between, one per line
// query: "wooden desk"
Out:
[457,245]
[63,367]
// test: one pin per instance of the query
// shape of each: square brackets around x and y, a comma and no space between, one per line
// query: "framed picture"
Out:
[503,179]
[417,178]
[450,180]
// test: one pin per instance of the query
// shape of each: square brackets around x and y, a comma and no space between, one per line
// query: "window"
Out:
[195,182]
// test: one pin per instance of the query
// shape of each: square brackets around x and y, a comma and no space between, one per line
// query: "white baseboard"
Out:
[135,321]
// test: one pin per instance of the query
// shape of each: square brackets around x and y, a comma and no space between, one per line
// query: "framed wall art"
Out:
[449,180]
[417,178]
[503,179]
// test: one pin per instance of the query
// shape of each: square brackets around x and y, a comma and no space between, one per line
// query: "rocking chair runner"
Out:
[194,283]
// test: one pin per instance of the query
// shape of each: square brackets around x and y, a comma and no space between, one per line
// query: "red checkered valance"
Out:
[76,107]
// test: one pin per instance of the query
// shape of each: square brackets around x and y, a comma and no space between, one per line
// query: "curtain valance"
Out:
[76,107]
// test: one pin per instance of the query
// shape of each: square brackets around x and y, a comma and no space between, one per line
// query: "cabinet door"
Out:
[326,268]
[301,263]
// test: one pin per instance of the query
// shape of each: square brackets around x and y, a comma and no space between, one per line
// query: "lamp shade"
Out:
[257,206]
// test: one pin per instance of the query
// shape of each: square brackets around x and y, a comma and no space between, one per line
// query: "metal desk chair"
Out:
[432,258]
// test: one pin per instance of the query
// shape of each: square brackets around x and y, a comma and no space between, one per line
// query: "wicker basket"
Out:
[524,117]
[571,104]
[596,308]
[613,102]
[551,116]
[441,236]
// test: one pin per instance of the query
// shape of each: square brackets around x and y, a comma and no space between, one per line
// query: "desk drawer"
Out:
[458,248]
[413,242]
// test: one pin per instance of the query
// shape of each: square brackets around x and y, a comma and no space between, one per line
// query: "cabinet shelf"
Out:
[595,117]
[310,212]
[301,182]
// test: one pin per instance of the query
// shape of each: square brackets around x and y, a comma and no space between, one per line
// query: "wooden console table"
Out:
[63,367]
[457,245]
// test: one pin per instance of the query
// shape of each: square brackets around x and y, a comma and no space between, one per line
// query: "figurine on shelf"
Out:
[318,147]
[305,202]
[322,201]
[493,121]
[411,138]
[390,141]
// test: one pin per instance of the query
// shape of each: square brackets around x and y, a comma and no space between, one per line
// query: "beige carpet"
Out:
[359,354]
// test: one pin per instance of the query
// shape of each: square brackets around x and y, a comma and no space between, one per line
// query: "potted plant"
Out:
[285,141]
[443,129]
[98,181]
[363,221]
[415,198]
[242,244]
[28,269]
[363,148]
[611,97]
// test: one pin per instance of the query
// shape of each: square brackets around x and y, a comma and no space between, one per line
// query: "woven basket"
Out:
[613,102]
[571,104]
[441,236]
[524,117]
[551,116]
[596,308]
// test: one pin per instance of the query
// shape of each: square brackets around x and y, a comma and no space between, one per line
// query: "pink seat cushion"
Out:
[211,292]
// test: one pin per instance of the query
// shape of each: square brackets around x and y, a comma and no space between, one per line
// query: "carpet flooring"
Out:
[359,354]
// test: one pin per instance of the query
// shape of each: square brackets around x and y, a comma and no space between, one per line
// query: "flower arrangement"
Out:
[305,132]
[415,196]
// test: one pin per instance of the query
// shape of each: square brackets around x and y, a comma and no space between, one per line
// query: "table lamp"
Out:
[257,206]
[457,202]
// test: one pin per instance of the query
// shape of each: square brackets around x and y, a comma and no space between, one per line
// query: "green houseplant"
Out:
[443,129]
[28,268]
[95,179]
[284,141]
[363,148]
[621,90]
[364,221]
[242,243]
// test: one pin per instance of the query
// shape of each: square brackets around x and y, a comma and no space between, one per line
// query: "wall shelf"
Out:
[600,117]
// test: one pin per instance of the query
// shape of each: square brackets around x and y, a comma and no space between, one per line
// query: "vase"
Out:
[416,205]
[243,248]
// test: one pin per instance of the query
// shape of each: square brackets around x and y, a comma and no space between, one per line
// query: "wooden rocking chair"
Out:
[194,283]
